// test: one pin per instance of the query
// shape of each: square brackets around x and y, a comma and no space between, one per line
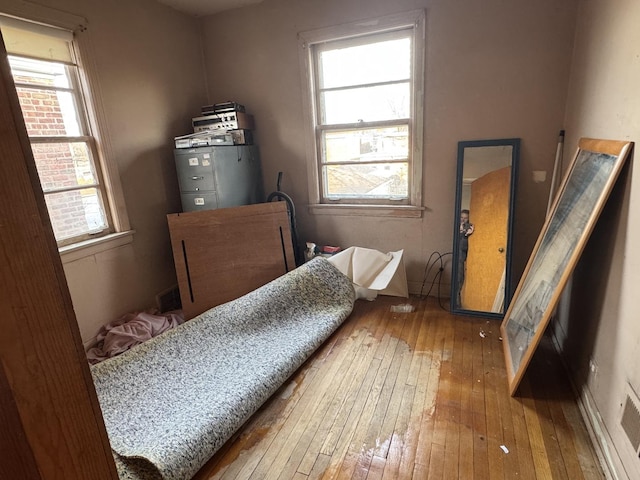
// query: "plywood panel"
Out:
[223,254]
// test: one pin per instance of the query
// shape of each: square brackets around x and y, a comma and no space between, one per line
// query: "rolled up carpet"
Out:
[170,403]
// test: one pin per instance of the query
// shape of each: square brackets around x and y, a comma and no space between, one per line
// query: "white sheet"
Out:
[374,272]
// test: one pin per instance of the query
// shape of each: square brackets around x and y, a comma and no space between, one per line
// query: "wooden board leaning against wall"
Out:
[50,419]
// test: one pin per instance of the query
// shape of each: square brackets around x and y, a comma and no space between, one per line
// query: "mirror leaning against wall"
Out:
[483,220]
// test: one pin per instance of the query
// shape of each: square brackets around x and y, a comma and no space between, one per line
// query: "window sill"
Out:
[397,211]
[71,253]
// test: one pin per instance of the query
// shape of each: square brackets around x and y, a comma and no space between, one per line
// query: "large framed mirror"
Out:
[483,219]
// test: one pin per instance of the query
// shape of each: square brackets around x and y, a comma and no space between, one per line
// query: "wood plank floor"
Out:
[413,395]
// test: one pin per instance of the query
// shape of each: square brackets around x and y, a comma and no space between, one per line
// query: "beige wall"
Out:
[149,65]
[494,69]
[602,322]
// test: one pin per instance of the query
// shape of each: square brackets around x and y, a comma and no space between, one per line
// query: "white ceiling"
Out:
[201,8]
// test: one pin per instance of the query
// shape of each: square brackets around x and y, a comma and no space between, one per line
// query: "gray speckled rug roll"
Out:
[172,402]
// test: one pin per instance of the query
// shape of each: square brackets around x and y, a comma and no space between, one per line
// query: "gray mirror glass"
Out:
[483,217]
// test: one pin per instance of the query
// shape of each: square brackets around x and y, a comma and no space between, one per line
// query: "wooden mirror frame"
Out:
[576,208]
[514,143]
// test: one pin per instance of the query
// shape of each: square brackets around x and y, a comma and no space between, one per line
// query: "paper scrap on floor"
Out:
[373,272]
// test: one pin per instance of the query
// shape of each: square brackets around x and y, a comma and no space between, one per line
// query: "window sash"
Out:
[97,183]
[358,41]
[381,103]
[380,194]
[320,90]
[89,224]
[74,89]
[354,127]
[322,126]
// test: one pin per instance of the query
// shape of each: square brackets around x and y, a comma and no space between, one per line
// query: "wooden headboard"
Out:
[223,254]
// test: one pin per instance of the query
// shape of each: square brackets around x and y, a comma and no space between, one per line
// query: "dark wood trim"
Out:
[48,382]
[13,442]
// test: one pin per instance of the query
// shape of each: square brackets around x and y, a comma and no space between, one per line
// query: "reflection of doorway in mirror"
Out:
[486,260]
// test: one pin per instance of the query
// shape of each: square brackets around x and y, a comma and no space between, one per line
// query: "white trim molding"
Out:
[416,21]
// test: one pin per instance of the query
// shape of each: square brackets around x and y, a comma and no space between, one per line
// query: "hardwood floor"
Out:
[413,395]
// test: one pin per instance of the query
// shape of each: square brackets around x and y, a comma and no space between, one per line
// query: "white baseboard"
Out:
[600,439]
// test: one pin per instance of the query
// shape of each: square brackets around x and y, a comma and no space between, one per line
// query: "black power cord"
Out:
[431,263]
[291,211]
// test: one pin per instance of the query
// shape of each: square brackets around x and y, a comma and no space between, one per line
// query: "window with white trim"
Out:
[46,75]
[364,106]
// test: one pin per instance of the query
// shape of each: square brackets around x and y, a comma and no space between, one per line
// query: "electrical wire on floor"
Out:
[431,263]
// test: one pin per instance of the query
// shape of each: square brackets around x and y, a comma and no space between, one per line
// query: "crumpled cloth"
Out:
[130,330]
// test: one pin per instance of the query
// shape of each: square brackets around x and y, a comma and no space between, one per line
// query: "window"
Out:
[364,108]
[47,79]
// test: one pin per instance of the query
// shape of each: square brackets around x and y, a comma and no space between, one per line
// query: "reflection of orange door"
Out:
[489,213]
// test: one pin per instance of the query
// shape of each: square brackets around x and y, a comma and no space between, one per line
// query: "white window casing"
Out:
[62,28]
[311,44]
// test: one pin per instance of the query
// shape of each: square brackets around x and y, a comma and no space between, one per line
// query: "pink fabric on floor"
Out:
[131,330]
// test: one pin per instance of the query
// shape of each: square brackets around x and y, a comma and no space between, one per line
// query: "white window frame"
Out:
[84,137]
[306,40]
[120,231]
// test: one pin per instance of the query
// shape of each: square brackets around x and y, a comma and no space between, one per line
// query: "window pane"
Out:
[365,64]
[63,165]
[366,145]
[39,72]
[384,180]
[369,104]
[48,113]
[75,213]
